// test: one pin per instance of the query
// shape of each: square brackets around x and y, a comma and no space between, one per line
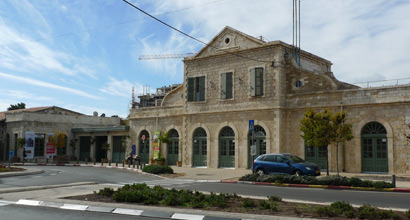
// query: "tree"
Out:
[106,147]
[325,128]
[58,139]
[20,105]
[21,142]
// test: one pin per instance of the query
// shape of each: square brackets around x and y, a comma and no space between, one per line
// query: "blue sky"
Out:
[83,54]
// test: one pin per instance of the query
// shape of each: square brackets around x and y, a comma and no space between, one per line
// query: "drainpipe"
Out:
[343,145]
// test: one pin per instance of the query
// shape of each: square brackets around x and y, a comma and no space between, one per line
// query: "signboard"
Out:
[156,144]
[11,154]
[50,149]
[30,138]
[251,125]
[134,149]
[253,150]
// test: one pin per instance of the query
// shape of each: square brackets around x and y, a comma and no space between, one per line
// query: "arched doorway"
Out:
[227,147]
[374,148]
[173,147]
[199,148]
[144,146]
[259,140]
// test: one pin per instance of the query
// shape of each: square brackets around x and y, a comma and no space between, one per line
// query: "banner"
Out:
[156,144]
[50,149]
[30,137]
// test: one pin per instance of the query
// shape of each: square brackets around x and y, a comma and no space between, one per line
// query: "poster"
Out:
[30,137]
[50,149]
[156,144]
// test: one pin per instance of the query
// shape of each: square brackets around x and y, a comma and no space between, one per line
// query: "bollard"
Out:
[116,163]
[94,161]
[129,164]
[35,160]
[47,160]
[86,160]
[393,181]
[101,162]
[122,163]
[109,162]
[133,164]
[78,161]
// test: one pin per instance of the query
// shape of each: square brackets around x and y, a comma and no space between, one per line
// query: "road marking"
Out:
[187,216]
[28,202]
[127,211]
[74,207]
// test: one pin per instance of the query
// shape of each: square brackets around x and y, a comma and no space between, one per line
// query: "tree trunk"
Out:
[337,157]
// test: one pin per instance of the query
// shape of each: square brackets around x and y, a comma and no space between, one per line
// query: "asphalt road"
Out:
[60,175]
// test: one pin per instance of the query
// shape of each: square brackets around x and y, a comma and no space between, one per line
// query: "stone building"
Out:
[42,122]
[237,78]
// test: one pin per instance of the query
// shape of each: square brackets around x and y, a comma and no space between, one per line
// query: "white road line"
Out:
[187,216]
[28,202]
[74,207]
[127,211]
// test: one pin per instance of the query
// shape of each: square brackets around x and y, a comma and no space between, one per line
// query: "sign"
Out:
[253,150]
[143,137]
[251,125]
[156,144]
[30,138]
[50,149]
[11,154]
[134,149]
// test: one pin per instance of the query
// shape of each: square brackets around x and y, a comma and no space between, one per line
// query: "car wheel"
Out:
[260,172]
[297,173]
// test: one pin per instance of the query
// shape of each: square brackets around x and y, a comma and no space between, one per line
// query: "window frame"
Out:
[223,76]
[254,83]
[196,89]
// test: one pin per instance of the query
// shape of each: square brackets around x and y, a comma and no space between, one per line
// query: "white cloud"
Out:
[121,88]
[35,82]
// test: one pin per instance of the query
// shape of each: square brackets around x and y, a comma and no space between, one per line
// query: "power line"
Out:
[105,26]
[187,35]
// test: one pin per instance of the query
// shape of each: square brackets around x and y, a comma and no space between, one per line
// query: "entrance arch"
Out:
[173,147]
[199,148]
[144,146]
[227,147]
[374,148]
[259,140]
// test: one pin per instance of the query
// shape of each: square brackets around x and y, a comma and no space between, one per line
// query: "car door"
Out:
[269,164]
[282,165]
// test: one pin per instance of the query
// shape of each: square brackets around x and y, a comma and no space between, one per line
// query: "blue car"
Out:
[284,164]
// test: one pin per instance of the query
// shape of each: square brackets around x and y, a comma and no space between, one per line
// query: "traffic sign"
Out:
[11,153]
[251,125]
[253,150]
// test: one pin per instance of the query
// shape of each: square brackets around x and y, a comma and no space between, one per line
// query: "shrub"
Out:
[325,211]
[343,208]
[274,198]
[369,212]
[157,169]
[334,180]
[248,203]
[107,192]
[263,204]
[250,177]
[356,182]
[382,184]
[407,213]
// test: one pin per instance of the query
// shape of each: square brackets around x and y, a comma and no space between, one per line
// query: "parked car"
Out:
[284,164]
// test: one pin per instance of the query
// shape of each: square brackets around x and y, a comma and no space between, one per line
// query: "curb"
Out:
[113,210]
[319,186]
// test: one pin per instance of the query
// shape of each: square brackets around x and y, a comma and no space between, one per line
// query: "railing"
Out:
[383,83]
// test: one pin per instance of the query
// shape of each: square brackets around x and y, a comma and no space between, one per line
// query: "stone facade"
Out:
[288,91]
[45,120]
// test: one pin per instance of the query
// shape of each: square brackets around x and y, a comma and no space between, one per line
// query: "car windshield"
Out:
[295,159]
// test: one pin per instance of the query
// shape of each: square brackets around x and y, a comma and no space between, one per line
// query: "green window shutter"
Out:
[258,81]
[252,86]
[223,85]
[191,86]
[201,88]
[228,86]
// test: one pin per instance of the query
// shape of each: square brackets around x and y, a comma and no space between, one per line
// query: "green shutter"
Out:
[228,86]
[191,89]
[223,85]
[258,81]
[252,85]
[202,88]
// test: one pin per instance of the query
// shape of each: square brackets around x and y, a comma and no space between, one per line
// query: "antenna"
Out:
[296,31]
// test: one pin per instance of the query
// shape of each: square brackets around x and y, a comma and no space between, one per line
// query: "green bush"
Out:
[325,211]
[157,169]
[263,204]
[343,208]
[407,213]
[369,212]
[382,184]
[248,203]
[107,192]
[354,181]
[274,198]
[249,177]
